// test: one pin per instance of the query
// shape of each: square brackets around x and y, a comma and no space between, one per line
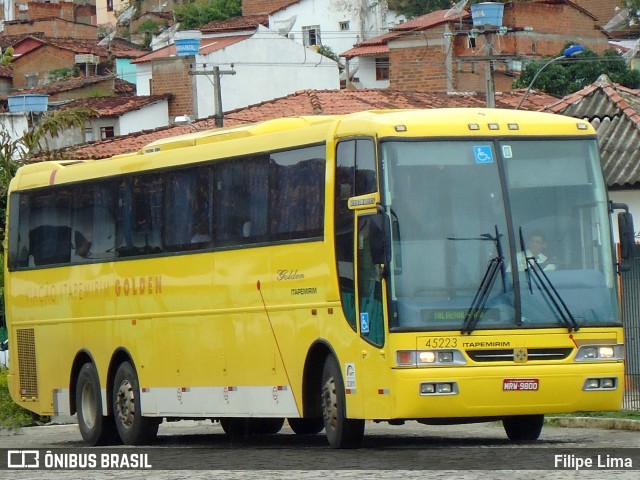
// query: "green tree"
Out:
[415,8]
[15,152]
[7,56]
[200,12]
[564,77]
[148,28]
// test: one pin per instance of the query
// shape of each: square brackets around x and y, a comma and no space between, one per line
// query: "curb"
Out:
[591,422]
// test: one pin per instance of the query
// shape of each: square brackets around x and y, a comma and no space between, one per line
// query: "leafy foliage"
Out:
[328,52]
[35,142]
[415,8]
[7,56]
[564,77]
[12,415]
[200,12]
[62,73]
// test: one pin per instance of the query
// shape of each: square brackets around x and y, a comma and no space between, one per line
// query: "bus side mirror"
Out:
[379,239]
[627,235]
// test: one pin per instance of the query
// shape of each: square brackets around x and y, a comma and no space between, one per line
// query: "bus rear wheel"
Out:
[523,428]
[133,428]
[306,426]
[342,432]
[95,428]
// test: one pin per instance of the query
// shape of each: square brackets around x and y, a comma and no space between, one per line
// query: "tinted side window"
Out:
[49,227]
[188,206]
[93,222]
[240,196]
[296,193]
[140,215]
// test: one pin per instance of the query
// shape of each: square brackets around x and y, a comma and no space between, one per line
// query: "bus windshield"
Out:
[498,234]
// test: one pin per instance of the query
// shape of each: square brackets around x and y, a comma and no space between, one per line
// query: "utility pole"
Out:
[491,91]
[217,90]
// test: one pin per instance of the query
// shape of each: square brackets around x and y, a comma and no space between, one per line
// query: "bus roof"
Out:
[264,136]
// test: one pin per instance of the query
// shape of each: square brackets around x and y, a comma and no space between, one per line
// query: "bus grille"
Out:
[509,355]
[27,363]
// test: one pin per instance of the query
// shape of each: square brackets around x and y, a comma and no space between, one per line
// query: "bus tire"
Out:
[265,426]
[240,427]
[133,428]
[95,428]
[235,427]
[342,432]
[306,426]
[523,428]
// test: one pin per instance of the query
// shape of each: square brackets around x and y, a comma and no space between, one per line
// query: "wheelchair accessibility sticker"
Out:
[364,322]
[483,154]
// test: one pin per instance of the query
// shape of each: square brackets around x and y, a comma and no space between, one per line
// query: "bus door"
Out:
[373,370]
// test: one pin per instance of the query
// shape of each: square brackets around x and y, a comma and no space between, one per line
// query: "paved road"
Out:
[409,451]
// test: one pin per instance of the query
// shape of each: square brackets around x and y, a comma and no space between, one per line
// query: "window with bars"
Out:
[311,35]
[382,68]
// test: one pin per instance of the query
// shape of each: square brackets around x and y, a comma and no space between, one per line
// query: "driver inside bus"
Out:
[535,249]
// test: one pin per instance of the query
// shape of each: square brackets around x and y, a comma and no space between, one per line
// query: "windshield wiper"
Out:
[496,264]
[545,285]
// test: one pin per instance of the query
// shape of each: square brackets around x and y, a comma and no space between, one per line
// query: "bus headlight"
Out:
[607,383]
[429,358]
[589,353]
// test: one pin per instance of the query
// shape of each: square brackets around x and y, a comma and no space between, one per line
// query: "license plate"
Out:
[520,384]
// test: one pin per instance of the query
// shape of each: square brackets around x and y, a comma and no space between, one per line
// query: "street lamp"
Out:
[568,52]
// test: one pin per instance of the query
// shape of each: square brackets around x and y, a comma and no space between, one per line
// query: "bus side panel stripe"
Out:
[265,401]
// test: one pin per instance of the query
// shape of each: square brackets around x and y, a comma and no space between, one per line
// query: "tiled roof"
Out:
[207,45]
[379,45]
[308,102]
[613,111]
[10,40]
[235,23]
[265,6]
[120,86]
[115,106]
[6,71]
[431,20]
[374,46]
[118,48]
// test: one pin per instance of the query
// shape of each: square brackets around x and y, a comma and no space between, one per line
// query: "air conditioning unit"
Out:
[87,58]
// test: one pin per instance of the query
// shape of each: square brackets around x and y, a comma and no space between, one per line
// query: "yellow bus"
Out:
[327,270]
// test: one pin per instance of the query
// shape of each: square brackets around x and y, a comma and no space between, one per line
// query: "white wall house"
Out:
[338,24]
[147,117]
[266,65]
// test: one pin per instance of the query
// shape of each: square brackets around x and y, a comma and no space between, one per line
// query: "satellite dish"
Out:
[165,37]
[126,15]
[107,40]
[618,19]
[284,26]
[456,9]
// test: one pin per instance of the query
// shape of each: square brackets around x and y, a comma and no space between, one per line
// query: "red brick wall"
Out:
[171,75]
[37,10]
[41,61]
[416,62]
[52,28]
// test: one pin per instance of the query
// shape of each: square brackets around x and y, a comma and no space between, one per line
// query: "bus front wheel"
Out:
[133,428]
[95,428]
[342,432]
[523,428]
